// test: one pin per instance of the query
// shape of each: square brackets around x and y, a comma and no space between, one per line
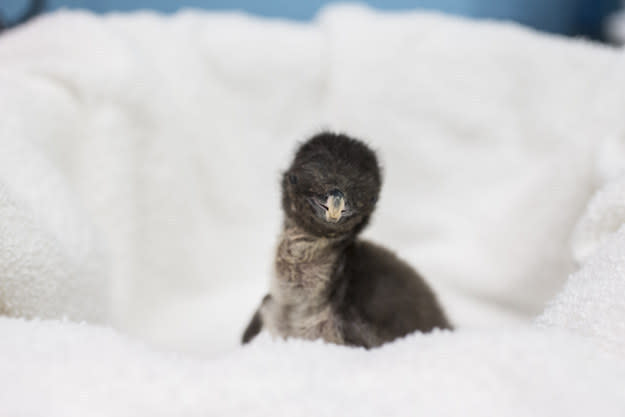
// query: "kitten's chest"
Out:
[289,320]
[300,289]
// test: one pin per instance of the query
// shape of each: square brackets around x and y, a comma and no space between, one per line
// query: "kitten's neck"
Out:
[305,265]
[306,246]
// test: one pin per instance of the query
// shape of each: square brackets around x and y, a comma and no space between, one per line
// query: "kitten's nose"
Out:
[335,204]
[337,194]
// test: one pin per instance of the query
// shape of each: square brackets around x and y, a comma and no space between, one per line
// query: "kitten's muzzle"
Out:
[335,205]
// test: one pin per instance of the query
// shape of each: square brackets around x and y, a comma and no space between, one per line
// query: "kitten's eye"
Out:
[292,179]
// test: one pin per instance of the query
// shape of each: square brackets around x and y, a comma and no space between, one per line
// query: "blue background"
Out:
[570,17]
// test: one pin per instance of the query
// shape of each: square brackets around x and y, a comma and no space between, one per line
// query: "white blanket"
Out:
[139,166]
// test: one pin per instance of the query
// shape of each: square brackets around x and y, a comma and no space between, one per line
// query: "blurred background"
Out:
[602,20]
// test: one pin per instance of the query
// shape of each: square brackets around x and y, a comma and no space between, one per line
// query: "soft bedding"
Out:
[139,165]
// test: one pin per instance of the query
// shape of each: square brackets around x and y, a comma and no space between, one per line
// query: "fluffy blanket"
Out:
[139,207]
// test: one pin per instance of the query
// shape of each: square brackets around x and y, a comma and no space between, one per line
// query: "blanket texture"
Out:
[139,166]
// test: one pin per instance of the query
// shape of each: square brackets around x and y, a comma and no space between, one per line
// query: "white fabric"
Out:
[139,175]
[51,264]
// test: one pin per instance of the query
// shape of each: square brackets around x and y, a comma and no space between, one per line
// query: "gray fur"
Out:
[327,283]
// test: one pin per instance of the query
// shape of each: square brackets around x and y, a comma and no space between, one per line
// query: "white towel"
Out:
[51,265]
[144,152]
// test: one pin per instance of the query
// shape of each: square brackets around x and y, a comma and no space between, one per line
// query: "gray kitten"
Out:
[329,284]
